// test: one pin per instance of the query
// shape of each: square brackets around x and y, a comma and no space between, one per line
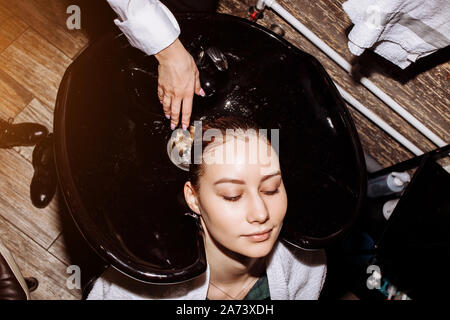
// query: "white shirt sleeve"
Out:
[148,24]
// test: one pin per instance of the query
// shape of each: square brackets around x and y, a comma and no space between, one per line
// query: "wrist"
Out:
[169,53]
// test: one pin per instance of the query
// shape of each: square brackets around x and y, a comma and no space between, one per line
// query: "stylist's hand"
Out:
[178,80]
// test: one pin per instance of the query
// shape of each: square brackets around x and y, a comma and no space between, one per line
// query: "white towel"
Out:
[293,274]
[401,31]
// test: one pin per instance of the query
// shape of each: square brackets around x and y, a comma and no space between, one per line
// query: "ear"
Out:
[191,197]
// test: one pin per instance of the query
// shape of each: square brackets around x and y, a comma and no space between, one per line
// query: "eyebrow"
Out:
[237,181]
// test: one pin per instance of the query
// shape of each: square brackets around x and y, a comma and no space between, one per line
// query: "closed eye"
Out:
[271,193]
[232,198]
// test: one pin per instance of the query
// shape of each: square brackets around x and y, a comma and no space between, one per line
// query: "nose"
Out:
[258,211]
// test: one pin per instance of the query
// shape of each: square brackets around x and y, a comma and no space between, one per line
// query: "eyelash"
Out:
[234,199]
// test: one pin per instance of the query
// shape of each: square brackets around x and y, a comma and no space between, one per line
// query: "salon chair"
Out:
[124,193]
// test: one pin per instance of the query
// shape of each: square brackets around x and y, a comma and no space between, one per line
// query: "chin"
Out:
[257,250]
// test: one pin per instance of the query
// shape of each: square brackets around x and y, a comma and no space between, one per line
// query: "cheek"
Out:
[278,207]
[219,216]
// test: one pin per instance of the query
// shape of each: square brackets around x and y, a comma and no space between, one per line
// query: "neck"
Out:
[227,267]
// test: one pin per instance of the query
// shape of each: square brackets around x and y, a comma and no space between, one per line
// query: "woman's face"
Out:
[241,199]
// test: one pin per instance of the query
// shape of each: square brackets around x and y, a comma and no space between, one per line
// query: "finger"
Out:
[160,94]
[167,101]
[175,112]
[198,87]
[187,111]
[166,106]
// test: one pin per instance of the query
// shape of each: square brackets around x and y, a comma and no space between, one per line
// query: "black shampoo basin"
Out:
[124,193]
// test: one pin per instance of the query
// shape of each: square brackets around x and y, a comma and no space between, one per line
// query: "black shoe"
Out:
[44,182]
[12,284]
[21,134]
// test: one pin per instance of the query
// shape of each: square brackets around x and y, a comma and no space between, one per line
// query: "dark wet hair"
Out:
[221,123]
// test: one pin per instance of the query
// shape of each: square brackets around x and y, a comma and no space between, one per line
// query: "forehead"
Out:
[240,155]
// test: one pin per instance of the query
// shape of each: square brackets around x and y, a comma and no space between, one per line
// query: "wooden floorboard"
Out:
[48,18]
[59,250]
[36,64]
[42,225]
[11,27]
[14,96]
[5,13]
[35,261]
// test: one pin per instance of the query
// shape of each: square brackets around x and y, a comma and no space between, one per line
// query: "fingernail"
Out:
[202,93]
[172,126]
[184,127]
[168,116]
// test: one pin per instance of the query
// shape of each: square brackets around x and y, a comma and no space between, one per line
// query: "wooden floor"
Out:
[36,48]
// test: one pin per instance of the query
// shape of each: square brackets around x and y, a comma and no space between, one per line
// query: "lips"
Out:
[259,236]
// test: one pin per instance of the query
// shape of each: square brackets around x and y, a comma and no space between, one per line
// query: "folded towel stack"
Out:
[401,31]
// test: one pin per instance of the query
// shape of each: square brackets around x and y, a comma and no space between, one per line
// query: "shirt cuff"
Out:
[147,24]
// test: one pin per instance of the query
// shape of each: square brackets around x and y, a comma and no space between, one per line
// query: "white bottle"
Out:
[393,182]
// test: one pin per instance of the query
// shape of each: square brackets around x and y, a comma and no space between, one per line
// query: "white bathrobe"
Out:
[293,274]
